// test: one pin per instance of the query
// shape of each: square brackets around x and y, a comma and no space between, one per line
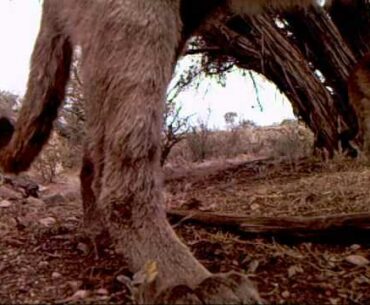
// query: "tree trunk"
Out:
[319,40]
[257,44]
[308,54]
[352,18]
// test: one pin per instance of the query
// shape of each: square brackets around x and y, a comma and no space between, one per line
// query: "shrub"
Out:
[48,164]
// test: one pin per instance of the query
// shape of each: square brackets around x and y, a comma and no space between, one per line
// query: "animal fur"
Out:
[129,49]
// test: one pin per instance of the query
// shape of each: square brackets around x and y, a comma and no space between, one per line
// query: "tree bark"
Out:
[257,44]
[308,54]
[286,226]
[319,40]
[352,18]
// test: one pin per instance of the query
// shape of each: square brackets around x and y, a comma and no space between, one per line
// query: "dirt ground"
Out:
[44,257]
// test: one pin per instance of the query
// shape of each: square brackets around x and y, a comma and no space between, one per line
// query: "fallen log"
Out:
[352,225]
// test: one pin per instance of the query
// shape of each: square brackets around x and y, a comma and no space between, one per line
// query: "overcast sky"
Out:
[19,23]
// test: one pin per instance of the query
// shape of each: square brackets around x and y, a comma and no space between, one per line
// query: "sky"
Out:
[19,24]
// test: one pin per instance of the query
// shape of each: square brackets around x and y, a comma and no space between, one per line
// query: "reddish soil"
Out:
[44,257]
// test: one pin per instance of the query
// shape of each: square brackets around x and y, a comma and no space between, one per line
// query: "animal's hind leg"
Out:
[87,192]
[92,221]
[92,161]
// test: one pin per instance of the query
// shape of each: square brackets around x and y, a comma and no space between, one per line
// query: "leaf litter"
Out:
[42,260]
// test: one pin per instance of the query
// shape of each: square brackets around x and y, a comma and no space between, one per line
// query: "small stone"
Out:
[285,294]
[79,295]
[357,260]
[43,188]
[84,248]
[293,270]
[75,285]
[253,265]
[102,291]
[255,206]
[355,247]
[334,301]
[5,204]
[43,264]
[48,221]
[103,297]
[56,275]
[123,279]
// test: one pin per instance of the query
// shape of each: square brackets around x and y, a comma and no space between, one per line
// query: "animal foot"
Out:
[223,288]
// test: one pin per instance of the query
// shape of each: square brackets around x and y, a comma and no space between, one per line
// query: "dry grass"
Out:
[290,139]
[298,273]
[273,188]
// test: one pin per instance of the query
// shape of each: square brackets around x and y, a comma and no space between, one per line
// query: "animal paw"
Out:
[223,288]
